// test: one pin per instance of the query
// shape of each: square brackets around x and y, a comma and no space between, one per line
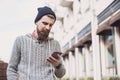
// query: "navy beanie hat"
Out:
[44,11]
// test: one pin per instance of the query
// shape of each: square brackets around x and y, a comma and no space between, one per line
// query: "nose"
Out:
[48,27]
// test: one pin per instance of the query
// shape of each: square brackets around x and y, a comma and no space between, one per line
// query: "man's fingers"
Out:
[53,61]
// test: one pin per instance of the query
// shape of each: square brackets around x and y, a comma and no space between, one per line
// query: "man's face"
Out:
[44,26]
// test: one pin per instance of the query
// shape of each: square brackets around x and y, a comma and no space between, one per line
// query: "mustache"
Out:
[46,31]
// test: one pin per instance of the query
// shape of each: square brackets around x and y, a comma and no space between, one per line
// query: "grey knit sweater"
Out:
[28,60]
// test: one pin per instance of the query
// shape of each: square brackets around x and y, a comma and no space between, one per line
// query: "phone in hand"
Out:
[55,54]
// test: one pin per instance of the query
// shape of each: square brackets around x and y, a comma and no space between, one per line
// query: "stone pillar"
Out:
[95,43]
[71,66]
[76,63]
[117,49]
[87,57]
[66,62]
[103,59]
[81,64]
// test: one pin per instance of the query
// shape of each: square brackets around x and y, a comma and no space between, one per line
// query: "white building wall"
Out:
[101,5]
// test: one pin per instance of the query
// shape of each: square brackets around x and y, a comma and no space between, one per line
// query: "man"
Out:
[31,55]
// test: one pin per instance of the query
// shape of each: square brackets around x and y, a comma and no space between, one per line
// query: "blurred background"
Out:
[88,32]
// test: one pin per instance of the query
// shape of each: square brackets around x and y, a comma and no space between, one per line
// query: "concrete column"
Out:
[88,65]
[76,63]
[96,54]
[84,61]
[103,59]
[67,68]
[81,64]
[117,49]
[95,43]
[76,58]
[72,65]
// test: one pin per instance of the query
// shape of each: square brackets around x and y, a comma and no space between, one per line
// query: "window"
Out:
[110,55]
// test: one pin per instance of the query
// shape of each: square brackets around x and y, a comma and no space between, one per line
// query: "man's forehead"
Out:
[47,20]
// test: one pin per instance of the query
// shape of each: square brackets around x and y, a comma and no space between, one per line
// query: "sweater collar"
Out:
[35,35]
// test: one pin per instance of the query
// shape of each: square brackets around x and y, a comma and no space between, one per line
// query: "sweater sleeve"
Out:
[14,61]
[60,71]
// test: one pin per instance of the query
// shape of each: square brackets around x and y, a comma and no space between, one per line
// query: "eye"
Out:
[51,25]
[45,23]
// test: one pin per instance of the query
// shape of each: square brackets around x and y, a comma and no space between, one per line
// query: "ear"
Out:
[37,23]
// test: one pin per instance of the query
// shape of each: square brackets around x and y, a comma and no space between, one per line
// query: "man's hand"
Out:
[54,61]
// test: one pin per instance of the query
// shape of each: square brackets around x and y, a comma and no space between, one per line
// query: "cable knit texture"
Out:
[28,60]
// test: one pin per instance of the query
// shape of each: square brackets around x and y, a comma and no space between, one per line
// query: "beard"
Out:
[43,34]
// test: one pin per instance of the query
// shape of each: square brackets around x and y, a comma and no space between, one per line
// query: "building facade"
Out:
[90,38]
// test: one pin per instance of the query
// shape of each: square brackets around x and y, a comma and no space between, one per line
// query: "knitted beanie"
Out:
[44,11]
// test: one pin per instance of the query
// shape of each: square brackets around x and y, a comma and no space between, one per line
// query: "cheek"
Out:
[40,28]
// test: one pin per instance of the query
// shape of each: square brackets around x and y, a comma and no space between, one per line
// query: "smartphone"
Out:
[54,54]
